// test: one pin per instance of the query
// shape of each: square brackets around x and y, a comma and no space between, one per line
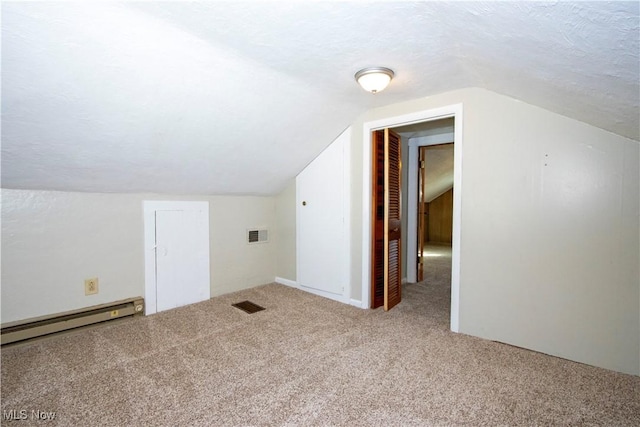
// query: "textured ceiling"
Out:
[237,97]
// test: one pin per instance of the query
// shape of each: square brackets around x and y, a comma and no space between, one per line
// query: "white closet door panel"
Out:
[182,264]
[321,237]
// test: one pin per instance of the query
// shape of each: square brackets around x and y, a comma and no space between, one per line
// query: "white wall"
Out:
[323,202]
[549,254]
[550,235]
[286,232]
[52,241]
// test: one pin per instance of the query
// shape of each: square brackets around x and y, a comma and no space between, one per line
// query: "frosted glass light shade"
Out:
[374,79]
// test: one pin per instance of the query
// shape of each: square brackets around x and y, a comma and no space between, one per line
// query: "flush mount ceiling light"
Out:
[374,79]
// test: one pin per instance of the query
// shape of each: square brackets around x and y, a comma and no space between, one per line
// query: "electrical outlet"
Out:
[91,286]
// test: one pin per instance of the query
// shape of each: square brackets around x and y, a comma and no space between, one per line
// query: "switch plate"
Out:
[91,286]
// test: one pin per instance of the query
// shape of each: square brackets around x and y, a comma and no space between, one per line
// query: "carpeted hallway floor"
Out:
[305,361]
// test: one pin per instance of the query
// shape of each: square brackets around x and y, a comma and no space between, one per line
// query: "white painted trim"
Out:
[412,200]
[420,116]
[336,297]
[296,285]
[412,214]
[149,218]
[436,139]
[457,219]
[287,282]
[357,303]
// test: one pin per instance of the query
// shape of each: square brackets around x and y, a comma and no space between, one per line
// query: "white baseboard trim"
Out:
[325,294]
[287,282]
[356,303]
[335,297]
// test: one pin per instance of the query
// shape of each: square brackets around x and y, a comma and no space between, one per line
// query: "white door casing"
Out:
[455,111]
[176,254]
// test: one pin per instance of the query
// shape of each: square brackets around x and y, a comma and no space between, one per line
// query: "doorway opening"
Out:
[431,127]
[435,215]
[429,189]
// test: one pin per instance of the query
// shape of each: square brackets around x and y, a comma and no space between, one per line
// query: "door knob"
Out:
[304,203]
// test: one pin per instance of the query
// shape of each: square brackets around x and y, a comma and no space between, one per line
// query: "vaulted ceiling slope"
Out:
[237,97]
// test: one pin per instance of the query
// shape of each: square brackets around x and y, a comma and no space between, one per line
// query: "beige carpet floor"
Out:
[306,361]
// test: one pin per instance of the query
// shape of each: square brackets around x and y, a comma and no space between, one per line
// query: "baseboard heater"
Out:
[45,325]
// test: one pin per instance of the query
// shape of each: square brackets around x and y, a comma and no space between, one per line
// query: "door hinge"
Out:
[421,164]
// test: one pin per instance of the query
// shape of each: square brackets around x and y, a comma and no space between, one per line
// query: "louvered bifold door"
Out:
[392,218]
[378,216]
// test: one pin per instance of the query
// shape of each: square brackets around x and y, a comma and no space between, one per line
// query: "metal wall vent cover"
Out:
[257,236]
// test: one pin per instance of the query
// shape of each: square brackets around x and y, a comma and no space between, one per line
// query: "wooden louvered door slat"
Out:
[386,214]
[392,221]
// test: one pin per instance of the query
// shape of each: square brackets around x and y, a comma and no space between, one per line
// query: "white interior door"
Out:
[181,257]
[321,250]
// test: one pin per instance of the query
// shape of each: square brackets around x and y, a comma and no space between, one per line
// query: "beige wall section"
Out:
[554,201]
[286,232]
[550,229]
[52,241]
[236,265]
